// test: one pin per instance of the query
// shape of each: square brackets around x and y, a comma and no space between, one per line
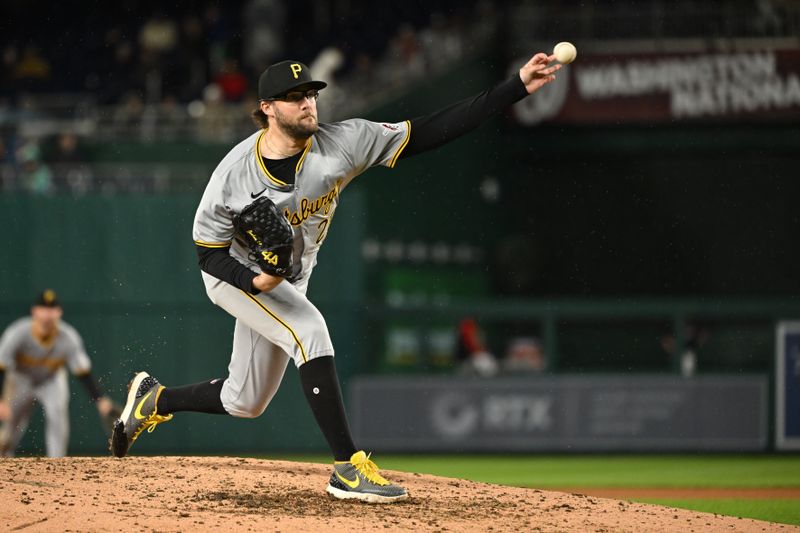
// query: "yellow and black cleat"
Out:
[140,413]
[359,479]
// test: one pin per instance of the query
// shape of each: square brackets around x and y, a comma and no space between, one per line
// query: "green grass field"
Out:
[657,471]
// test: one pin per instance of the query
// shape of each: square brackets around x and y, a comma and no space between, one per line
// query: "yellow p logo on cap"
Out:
[296,68]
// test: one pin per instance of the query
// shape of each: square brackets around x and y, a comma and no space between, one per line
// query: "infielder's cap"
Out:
[47,298]
[286,76]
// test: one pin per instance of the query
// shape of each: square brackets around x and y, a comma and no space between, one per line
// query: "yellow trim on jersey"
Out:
[263,167]
[281,322]
[51,363]
[399,151]
[212,244]
[261,164]
[303,157]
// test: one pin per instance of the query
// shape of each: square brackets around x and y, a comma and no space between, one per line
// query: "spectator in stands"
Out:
[68,162]
[231,81]
[218,35]
[525,354]
[403,58]
[158,36]
[172,118]
[471,354]
[441,42]
[192,59]
[6,166]
[7,67]
[214,123]
[32,71]
[35,176]
[68,150]
[363,73]
[129,114]
[696,335]
[158,40]
[324,67]
[768,20]
[264,24]
[121,70]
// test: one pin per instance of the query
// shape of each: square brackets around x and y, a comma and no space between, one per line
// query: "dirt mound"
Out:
[211,493]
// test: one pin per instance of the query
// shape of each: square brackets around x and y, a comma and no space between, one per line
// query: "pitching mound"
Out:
[232,494]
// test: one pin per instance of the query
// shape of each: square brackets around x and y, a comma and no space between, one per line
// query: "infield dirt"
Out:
[235,494]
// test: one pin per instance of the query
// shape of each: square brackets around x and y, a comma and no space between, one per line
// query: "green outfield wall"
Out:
[125,269]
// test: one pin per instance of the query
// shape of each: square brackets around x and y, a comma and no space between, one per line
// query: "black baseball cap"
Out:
[47,298]
[284,77]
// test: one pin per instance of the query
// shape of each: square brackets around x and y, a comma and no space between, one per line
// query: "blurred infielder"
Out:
[264,215]
[34,352]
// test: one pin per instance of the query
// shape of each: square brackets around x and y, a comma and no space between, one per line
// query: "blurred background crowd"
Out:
[153,71]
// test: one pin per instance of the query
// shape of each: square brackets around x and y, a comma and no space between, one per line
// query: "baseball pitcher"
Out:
[264,215]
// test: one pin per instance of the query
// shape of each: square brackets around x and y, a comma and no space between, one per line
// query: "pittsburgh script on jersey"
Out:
[308,207]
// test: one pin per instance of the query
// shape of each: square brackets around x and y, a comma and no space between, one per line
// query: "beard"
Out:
[300,128]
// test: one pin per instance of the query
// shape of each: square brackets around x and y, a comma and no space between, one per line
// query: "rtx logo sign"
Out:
[517,413]
[460,415]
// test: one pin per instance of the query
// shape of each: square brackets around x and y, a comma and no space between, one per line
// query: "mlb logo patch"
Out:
[390,128]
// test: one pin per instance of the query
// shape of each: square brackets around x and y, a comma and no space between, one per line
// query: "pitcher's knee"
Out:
[316,338]
[244,409]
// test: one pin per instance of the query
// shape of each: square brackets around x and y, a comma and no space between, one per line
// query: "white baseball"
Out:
[565,52]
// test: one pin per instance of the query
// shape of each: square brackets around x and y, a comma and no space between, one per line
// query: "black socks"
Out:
[201,398]
[321,387]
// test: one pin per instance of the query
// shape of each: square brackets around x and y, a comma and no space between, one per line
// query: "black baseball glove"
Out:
[268,235]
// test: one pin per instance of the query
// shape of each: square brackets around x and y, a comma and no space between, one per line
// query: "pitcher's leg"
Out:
[284,316]
[256,370]
[288,319]
[254,374]
[324,395]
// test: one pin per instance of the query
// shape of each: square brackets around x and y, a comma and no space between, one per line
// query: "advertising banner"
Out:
[667,88]
[787,386]
[560,413]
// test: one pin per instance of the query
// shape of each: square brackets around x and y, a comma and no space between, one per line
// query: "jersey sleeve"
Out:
[9,343]
[78,360]
[213,222]
[374,143]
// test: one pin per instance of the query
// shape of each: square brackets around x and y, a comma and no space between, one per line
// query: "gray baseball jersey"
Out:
[22,353]
[275,326]
[335,155]
[36,372]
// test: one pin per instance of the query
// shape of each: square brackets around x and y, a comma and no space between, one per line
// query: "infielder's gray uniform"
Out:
[35,371]
[283,321]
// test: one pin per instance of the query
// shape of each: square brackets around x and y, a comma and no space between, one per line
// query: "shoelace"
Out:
[150,423]
[370,471]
